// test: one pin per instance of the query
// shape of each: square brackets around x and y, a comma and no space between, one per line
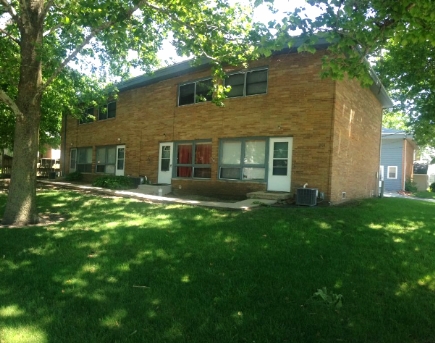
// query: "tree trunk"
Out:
[21,203]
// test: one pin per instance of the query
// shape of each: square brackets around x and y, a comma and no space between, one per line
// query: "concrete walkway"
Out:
[239,205]
[392,194]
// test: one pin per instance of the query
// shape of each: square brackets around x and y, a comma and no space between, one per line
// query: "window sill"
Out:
[243,181]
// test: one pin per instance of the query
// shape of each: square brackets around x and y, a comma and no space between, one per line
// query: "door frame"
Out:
[165,176]
[279,183]
[72,161]
[120,172]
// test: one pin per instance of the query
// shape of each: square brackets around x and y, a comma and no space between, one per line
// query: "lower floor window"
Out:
[106,160]
[243,159]
[84,160]
[193,159]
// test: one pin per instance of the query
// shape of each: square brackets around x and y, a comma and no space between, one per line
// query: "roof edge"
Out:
[189,66]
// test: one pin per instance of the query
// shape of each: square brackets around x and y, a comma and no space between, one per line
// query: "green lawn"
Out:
[425,195]
[121,270]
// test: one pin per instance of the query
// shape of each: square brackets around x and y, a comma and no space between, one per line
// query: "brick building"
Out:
[282,126]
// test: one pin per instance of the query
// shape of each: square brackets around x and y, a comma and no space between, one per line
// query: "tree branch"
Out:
[12,38]
[410,6]
[52,29]
[46,8]
[174,18]
[94,32]
[11,11]
[11,103]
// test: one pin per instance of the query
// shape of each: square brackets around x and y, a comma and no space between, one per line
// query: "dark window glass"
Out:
[84,168]
[120,165]
[102,113]
[256,82]
[88,116]
[195,92]
[111,110]
[107,111]
[165,165]
[237,83]
[203,90]
[187,94]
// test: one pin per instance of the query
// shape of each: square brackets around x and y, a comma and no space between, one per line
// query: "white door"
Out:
[280,161]
[120,160]
[165,162]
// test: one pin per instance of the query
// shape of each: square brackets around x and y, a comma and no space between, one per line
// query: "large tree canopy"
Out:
[41,39]
[409,73]
[397,35]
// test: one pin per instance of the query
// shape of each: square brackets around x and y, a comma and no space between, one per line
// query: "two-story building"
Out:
[282,126]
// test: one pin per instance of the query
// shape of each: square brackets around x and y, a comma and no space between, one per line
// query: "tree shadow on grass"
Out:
[125,271]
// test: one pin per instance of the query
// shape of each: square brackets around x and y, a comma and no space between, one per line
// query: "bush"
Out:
[74,176]
[113,182]
[410,186]
[432,187]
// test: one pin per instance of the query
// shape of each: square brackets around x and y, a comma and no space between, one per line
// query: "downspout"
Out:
[331,142]
[64,144]
[380,156]
[404,164]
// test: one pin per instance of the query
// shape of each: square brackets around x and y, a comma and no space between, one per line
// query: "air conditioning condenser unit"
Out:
[306,196]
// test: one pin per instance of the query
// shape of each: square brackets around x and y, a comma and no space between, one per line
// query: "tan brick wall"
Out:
[356,148]
[298,104]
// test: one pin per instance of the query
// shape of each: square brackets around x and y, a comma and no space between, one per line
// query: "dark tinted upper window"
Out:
[193,92]
[247,83]
[87,116]
[107,111]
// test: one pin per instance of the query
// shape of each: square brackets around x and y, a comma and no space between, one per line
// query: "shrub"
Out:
[113,182]
[410,186]
[432,187]
[74,176]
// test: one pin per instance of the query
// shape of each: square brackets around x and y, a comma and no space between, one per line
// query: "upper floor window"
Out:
[87,116]
[107,111]
[247,83]
[193,92]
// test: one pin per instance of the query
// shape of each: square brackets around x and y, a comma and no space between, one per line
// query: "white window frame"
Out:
[395,173]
